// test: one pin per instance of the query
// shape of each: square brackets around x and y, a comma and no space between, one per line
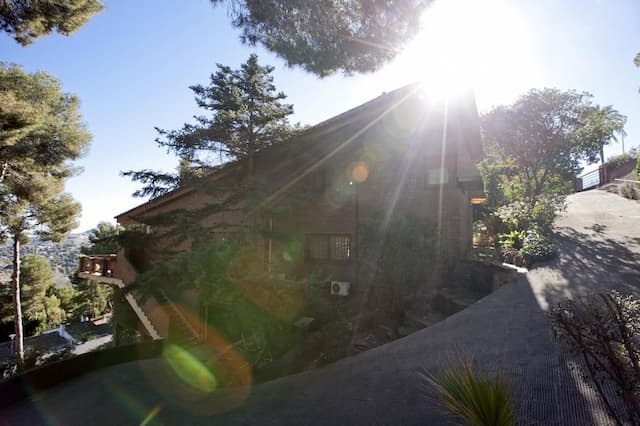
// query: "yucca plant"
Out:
[473,395]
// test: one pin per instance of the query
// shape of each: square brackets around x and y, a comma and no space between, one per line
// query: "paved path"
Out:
[599,240]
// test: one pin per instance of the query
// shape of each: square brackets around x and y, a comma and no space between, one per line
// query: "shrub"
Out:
[515,216]
[537,247]
[474,396]
[615,161]
[628,190]
[512,256]
[605,330]
[513,239]
[519,215]
[32,359]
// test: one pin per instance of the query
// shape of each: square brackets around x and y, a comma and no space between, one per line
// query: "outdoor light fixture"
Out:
[478,200]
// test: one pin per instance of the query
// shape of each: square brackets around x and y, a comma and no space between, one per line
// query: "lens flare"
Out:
[281,299]
[210,378]
[358,171]
[135,407]
[188,368]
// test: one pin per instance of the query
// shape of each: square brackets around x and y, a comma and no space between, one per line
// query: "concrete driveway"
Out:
[599,240]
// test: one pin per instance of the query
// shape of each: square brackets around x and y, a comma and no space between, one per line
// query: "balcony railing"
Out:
[98,265]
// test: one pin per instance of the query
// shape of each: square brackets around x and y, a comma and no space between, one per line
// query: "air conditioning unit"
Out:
[340,288]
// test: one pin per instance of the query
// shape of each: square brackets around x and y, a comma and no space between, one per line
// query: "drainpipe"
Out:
[357,235]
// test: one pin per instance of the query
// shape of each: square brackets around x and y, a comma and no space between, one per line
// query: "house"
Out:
[77,338]
[401,154]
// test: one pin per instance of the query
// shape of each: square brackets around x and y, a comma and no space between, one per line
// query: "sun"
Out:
[470,44]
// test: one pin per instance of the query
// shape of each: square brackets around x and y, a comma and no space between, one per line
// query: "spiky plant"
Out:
[473,395]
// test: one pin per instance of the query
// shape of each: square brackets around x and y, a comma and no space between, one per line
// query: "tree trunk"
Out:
[17,319]
[4,171]
[602,154]
[250,164]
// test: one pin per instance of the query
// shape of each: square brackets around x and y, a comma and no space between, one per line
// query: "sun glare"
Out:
[470,44]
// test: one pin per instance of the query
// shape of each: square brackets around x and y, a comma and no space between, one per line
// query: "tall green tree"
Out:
[26,20]
[17,118]
[35,167]
[599,126]
[535,142]
[328,36]
[245,115]
[91,299]
[103,239]
[37,295]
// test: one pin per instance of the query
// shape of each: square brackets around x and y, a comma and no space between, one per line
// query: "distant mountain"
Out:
[62,256]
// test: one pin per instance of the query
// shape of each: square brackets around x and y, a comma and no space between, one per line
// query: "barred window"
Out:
[328,247]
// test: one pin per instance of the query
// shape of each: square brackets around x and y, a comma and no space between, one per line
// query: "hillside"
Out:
[63,256]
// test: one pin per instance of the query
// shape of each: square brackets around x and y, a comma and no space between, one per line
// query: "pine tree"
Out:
[246,116]
[35,167]
[37,280]
[328,36]
[103,239]
[28,20]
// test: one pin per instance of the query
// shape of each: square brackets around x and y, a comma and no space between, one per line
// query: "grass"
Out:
[474,396]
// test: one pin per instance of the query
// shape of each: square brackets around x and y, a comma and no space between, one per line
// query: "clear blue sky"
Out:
[132,64]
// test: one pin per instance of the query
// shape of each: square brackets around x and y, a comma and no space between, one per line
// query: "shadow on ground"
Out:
[507,330]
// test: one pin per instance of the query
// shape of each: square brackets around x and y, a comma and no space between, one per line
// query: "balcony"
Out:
[99,267]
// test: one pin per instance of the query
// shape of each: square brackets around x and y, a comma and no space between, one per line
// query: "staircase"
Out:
[180,328]
[159,315]
[142,316]
[104,275]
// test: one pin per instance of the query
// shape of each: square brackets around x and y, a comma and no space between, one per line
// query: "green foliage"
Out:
[34,160]
[533,140]
[520,216]
[243,302]
[28,20]
[513,239]
[325,37]
[103,239]
[598,127]
[526,240]
[617,160]
[39,302]
[32,359]
[605,330]
[37,279]
[34,163]
[536,145]
[246,116]
[91,299]
[493,174]
[474,396]
[537,247]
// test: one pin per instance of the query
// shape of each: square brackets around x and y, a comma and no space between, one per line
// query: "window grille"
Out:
[329,247]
